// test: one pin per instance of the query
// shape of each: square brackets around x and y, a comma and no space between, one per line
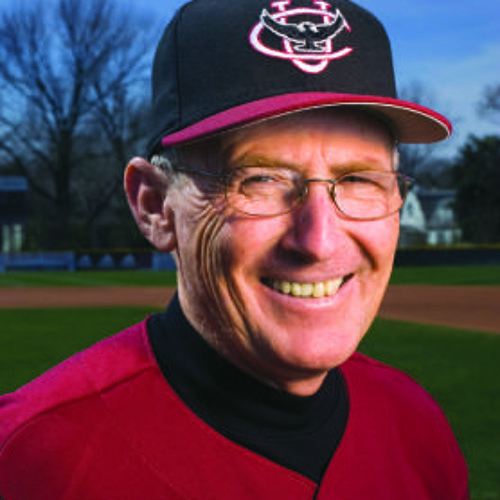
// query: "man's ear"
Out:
[146,188]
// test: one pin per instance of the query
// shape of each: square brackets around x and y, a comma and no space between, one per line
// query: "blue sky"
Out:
[452,47]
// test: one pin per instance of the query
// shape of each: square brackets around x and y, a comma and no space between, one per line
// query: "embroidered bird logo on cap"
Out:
[307,36]
[308,44]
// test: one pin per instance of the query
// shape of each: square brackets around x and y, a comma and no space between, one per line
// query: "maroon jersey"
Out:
[106,425]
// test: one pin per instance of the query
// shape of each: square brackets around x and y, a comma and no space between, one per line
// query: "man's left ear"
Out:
[146,188]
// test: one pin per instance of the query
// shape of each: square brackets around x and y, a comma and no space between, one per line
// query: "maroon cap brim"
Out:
[412,123]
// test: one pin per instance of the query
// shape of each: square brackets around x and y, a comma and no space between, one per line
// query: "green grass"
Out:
[447,275]
[452,275]
[459,368]
[87,278]
[34,340]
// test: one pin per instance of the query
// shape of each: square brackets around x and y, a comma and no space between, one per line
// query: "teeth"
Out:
[308,290]
[319,290]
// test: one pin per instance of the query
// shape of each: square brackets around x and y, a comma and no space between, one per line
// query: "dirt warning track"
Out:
[470,307]
[476,308]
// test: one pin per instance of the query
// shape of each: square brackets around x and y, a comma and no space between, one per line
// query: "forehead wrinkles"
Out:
[302,153]
[301,129]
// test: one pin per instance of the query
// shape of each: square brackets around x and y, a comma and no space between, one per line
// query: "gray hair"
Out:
[167,160]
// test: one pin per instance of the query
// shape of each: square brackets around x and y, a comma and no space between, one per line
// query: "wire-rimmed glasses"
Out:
[262,191]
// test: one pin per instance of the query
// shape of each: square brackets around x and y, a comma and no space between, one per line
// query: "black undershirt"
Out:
[297,432]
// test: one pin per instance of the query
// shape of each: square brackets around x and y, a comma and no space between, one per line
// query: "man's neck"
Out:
[298,432]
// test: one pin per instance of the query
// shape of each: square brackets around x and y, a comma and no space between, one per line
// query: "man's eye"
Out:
[257,179]
[357,179]
[259,185]
[364,181]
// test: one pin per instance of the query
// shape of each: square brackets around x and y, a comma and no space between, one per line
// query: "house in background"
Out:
[412,222]
[13,213]
[428,218]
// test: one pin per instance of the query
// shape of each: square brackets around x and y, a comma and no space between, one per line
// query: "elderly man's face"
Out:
[230,263]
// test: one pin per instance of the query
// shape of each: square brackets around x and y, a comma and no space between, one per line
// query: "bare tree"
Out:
[413,157]
[72,77]
[489,105]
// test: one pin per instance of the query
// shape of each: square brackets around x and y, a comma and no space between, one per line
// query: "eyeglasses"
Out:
[271,191]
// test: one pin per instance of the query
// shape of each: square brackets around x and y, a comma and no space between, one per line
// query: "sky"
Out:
[450,47]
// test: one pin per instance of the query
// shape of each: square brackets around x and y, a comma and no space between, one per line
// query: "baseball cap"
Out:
[222,64]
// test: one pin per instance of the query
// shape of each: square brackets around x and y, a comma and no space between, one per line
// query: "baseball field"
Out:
[440,325]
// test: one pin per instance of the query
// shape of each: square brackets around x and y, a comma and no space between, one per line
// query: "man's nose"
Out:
[317,227]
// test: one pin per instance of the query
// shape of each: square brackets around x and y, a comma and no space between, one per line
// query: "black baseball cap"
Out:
[221,64]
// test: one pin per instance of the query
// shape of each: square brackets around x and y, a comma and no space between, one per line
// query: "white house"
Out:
[428,218]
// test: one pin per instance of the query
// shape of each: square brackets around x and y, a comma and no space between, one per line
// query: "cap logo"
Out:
[309,45]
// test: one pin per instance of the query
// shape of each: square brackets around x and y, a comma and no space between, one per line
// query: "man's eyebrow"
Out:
[251,160]
[357,166]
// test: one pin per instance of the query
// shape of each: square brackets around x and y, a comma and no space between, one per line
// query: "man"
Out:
[272,178]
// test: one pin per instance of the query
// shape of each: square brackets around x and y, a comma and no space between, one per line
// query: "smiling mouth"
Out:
[314,290]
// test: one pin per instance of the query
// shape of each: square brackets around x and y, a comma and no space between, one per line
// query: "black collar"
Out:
[298,432]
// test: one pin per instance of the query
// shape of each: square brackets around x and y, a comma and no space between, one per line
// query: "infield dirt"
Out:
[475,308]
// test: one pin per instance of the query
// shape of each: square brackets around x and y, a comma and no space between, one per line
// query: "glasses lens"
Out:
[262,190]
[370,194]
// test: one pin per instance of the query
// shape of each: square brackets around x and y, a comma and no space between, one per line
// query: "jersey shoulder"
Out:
[81,376]
[389,387]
